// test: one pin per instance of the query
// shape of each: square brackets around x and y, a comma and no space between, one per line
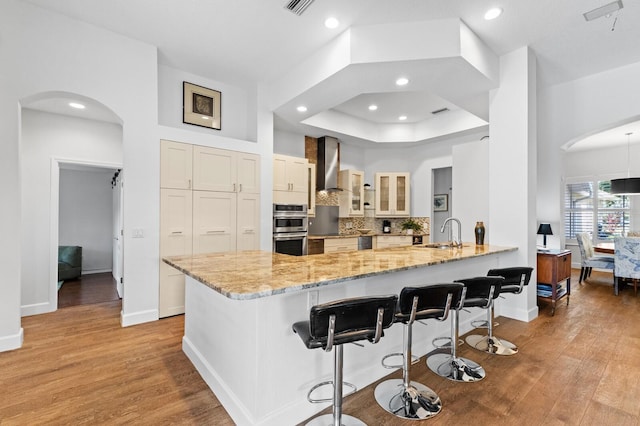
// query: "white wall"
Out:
[288,143]
[233,99]
[120,73]
[85,219]
[45,137]
[573,110]
[471,187]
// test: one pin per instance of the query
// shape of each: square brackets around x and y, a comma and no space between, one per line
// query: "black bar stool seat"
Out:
[344,321]
[480,292]
[515,279]
[403,397]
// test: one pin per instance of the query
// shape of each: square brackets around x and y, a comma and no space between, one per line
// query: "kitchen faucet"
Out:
[455,243]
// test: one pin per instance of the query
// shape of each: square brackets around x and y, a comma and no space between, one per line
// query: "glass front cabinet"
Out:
[352,195]
[392,195]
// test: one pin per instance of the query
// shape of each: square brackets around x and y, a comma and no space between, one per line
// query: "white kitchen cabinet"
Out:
[222,215]
[392,195]
[225,171]
[175,165]
[333,245]
[248,222]
[214,221]
[386,241]
[352,195]
[290,179]
[175,239]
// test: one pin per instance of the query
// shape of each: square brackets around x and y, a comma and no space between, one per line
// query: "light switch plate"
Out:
[137,233]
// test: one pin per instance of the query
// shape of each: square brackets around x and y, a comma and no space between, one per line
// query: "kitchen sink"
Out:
[440,245]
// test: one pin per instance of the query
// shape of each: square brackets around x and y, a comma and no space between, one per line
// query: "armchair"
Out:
[69,262]
[627,259]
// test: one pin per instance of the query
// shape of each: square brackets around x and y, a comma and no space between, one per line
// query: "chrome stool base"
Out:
[327,420]
[494,345]
[418,402]
[457,369]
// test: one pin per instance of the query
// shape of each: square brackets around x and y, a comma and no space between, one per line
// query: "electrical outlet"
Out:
[348,225]
[312,298]
[137,233]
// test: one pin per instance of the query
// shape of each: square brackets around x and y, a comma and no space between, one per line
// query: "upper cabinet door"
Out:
[280,180]
[298,172]
[214,169]
[175,165]
[248,173]
[402,194]
[352,195]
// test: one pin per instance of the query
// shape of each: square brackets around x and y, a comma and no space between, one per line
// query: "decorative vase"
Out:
[479,231]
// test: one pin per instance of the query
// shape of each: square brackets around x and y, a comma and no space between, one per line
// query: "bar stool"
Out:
[403,397]
[480,292]
[339,322]
[515,279]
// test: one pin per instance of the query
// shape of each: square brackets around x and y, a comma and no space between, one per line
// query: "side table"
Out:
[554,266]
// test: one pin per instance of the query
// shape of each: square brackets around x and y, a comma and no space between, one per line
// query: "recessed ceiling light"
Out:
[331,23]
[302,108]
[402,81]
[492,13]
[373,107]
[76,105]
[402,117]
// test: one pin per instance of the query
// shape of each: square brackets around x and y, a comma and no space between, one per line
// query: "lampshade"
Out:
[545,229]
[625,186]
[628,185]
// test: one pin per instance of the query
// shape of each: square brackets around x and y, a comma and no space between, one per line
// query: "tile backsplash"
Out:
[375,224]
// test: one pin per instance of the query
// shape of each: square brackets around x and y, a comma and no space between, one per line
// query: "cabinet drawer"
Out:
[340,244]
[386,241]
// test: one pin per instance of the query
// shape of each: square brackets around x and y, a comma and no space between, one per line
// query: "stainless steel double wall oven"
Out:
[290,227]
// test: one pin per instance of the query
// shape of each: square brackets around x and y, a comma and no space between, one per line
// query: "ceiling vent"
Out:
[438,111]
[605,10]
[298,6]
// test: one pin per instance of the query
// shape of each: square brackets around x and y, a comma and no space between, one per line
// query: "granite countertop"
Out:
[254,274]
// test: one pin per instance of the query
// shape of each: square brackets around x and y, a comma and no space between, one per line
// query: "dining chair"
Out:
[627,260]
[589,259]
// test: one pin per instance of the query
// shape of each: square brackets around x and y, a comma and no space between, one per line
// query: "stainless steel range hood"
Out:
[327,165]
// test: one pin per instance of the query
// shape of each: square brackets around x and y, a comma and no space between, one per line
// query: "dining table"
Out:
[608,248]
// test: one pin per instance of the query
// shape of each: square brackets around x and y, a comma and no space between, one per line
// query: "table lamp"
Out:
[544,229]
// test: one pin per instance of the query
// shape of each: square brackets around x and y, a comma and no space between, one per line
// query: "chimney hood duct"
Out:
[327,165]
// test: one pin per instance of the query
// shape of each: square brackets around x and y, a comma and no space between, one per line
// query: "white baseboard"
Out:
[36,309]
[11,342]
[138,317]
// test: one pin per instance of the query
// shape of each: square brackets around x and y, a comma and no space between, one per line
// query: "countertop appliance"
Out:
[386,227]
[290,227]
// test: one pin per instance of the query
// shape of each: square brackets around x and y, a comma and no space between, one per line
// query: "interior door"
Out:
[118,234]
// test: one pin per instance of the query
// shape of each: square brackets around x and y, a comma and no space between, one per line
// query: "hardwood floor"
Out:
[88,289]
[78,366]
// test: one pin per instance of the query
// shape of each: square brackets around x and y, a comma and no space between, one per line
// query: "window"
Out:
[591,207]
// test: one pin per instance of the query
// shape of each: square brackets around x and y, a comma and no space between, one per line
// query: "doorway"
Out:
[89,220]
[442,185]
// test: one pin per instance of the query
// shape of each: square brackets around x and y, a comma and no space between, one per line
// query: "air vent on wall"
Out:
[298,6]
[438,111]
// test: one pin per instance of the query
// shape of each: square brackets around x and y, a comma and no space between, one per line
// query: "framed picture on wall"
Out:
[440,202]
[201,106]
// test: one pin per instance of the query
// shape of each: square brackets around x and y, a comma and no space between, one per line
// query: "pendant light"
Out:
[626,185]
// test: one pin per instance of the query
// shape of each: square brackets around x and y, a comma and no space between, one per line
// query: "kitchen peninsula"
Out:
[240,307]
